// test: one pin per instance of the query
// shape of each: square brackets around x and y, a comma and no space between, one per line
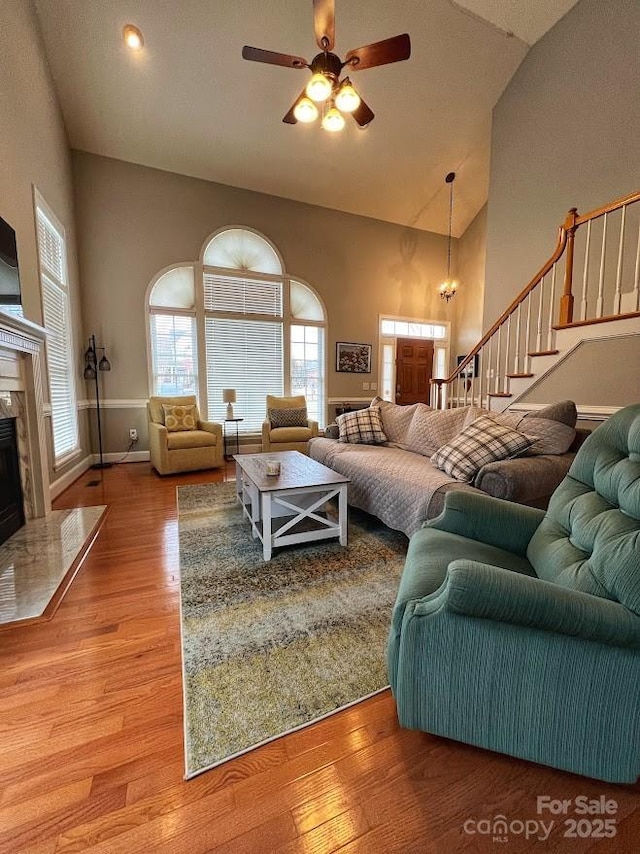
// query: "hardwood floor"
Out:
[91,718]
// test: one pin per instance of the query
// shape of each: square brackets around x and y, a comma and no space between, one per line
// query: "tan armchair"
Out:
[182,450]
[286,438]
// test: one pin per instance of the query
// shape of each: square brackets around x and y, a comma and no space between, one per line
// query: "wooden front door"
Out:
[414,365]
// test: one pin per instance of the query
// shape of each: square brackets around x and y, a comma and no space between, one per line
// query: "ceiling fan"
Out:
[325,93]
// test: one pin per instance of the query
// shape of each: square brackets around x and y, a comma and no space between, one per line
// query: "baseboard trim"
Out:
[122,457]
[58,486]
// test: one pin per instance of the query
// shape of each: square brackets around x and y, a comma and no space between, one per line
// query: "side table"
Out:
[232,438]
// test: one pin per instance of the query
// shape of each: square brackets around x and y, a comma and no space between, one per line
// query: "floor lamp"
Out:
[92,367]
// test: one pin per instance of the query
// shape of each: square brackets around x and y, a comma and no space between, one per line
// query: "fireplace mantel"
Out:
[22,369]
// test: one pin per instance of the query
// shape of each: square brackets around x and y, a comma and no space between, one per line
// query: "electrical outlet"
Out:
[365,386]
[133,435]
[374,386]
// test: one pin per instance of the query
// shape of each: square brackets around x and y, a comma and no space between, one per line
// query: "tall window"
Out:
[237,321]
[52,256]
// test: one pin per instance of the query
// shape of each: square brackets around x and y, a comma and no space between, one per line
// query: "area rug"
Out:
[270,647]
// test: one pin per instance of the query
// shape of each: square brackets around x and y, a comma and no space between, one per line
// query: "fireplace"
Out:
[11,508]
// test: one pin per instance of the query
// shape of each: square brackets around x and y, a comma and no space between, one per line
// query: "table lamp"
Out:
[229,397]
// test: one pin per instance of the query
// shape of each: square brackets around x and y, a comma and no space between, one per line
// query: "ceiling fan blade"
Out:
[324,23]
[290,119]
[363,114]
[256,54]
[380,53]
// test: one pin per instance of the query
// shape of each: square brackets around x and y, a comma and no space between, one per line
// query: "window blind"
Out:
[173,354]
[240,295]
[50,248]
[245,355]
[64,418]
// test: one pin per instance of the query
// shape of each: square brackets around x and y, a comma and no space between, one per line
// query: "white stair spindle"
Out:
[527,338]
[490,368]
[540,309]
[517,343]
[481,375]
[600,300]
[552,300]
[585,273]
[636,278]
[505,386]
[499,350]
[617,298]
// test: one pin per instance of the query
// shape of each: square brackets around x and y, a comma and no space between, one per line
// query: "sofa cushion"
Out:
[290,434]
[288,417]
[178,418]
[396,419]
[483,441]
[552,428]
[180,440]
[430,429]
[362,427]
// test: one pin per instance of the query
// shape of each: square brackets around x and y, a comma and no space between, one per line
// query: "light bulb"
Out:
[347,98]
[133,37]
[333,120]
[305,110]
[319,87]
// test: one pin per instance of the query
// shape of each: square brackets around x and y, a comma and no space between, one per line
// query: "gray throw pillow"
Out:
[551,428]
[288,417]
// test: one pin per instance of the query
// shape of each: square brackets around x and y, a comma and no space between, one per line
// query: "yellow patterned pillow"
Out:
[179,417]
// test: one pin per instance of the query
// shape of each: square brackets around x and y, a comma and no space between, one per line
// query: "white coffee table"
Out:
[286,508]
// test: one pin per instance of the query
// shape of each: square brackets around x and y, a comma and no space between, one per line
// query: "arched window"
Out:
[237,320]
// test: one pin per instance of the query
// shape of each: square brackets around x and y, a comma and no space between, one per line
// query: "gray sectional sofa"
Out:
[398,483]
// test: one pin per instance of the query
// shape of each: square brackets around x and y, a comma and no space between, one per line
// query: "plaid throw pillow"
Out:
[484,441]
[362,427]
[288,417]
[179,417]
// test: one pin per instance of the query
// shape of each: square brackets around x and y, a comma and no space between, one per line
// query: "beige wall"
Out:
[133,221]
[33,152]
[565,133]
[469,300]
[600,372]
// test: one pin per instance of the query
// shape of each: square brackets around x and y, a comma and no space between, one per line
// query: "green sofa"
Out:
[518,630]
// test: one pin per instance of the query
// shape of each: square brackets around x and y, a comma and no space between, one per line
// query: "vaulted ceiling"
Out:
[189,103]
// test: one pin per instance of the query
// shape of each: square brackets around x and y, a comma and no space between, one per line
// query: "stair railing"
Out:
[526,329]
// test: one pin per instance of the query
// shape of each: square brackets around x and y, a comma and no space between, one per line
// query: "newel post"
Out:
[566,301]
[438,384]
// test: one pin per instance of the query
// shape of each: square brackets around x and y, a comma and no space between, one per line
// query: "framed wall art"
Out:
[353,358]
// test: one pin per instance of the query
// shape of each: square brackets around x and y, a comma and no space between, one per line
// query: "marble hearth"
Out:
[22,376]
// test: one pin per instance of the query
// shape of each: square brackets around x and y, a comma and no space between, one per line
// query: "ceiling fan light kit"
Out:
[325,87]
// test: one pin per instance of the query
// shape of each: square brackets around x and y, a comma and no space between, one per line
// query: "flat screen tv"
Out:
[9,278]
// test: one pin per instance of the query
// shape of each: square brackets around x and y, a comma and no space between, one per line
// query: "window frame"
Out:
[200,313]
[47,278]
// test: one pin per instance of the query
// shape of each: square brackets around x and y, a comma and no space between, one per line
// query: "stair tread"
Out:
[499,394]
[545,353]
[519,376]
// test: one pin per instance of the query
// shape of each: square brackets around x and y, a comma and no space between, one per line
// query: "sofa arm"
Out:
[158,450]
[491,593]
[266,435]
[211,427]
[524,479]
[490,520]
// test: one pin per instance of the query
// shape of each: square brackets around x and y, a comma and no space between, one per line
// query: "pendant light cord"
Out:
[450,179]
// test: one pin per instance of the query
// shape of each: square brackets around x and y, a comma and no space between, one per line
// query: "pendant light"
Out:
[448,287]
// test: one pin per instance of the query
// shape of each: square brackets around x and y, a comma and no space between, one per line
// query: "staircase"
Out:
[598,255]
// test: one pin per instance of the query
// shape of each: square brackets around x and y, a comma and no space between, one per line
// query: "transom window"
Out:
[237,320]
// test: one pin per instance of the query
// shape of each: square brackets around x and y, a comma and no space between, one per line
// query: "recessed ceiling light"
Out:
[133,37]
